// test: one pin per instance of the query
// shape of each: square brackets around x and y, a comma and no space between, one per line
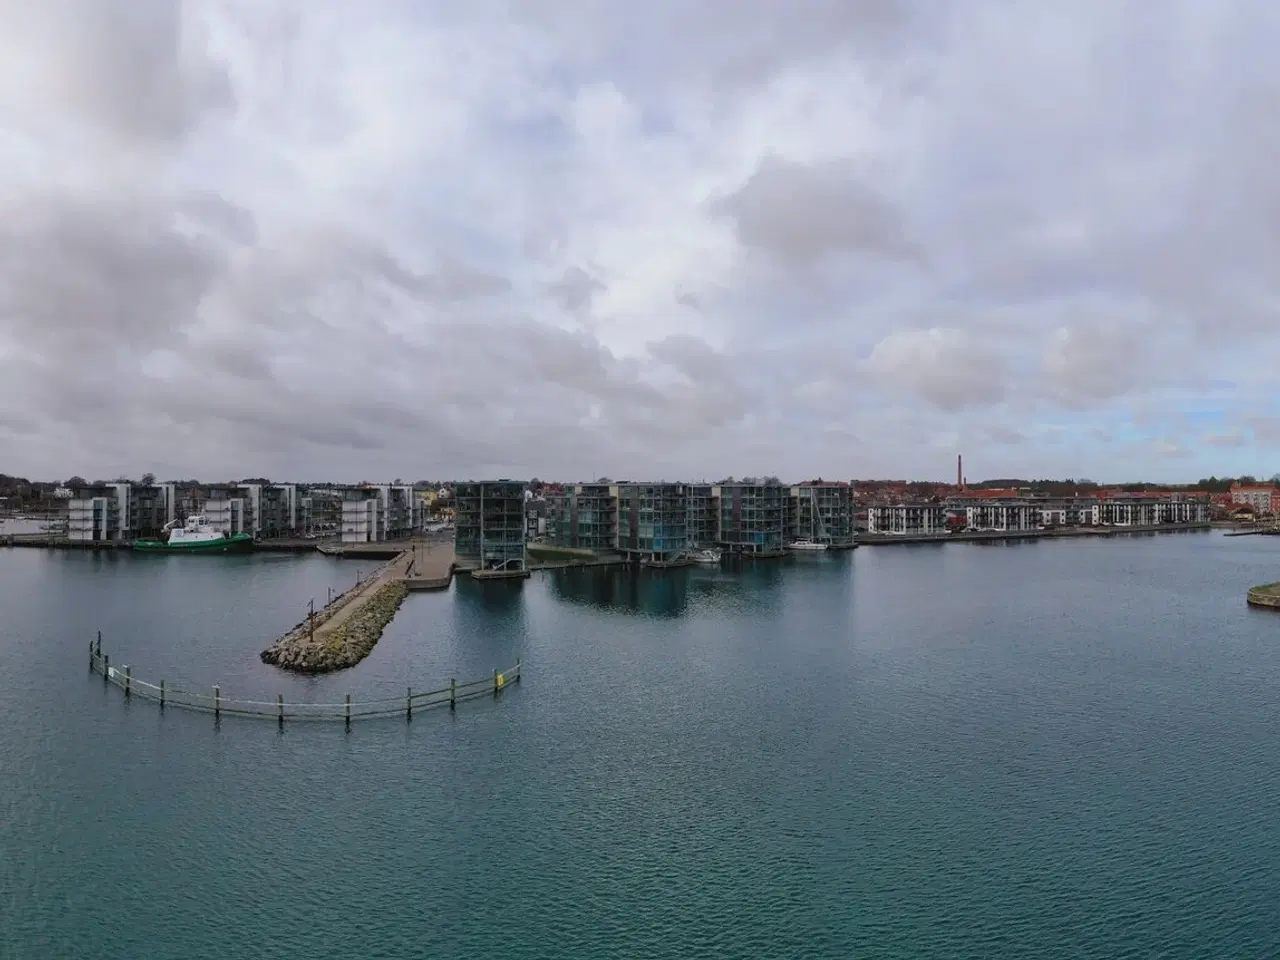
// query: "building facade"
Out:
[703,526]
[907,519]
[489,525]
[120,511]
[752,517]
[1263,498]
[822,512]
[585,516]
[653,521]
[374,514]
[99,514]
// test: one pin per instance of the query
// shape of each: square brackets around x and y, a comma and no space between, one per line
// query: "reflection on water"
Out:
[644,591]
[667,593]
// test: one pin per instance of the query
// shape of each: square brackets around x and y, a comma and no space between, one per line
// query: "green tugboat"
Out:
[196,536]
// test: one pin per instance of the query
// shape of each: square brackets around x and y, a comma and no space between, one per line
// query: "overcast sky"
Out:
[834,238]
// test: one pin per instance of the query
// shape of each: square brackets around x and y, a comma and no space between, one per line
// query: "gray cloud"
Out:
[800,212]
[575,289]
[136,71]
[686,239]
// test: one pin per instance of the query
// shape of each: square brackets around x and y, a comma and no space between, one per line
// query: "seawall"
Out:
[885,539]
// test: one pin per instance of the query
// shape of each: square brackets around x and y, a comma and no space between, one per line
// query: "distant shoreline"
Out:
[886,539]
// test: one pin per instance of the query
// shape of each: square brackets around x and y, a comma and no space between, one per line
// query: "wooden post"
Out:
[348,709]
[311,620]
[91,656]
[217,702]
[517,669]
[453,692]
[106,668]
[408,704]
[99,643]
[161,694]
[280,707]
[128,680]
[495,681]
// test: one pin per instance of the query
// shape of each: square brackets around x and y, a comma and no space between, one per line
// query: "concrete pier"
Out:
[430,566]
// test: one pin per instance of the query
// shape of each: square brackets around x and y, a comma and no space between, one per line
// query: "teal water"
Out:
[1061,749]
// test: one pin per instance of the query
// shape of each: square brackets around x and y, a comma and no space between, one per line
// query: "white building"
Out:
[1151,511]
[1003,515]
[227,515]
[907,519]
[361,521]
[99,515]
[385,512]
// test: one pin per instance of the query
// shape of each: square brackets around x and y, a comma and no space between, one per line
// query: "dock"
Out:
[430,565]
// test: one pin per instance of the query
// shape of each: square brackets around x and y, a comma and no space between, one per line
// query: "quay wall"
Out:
[884,539]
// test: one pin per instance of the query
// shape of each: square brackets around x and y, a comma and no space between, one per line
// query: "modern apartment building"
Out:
[272,509]
[753,517]
[822,511]
[907,519]
[585,516]
[653,521]
[119,511]
[489,525]
[98,513]
[703,525]
[373,514]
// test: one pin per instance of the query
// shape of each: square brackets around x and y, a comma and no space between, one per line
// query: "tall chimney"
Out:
[960,471]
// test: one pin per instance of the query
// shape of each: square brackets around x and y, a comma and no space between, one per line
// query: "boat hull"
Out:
[236,543]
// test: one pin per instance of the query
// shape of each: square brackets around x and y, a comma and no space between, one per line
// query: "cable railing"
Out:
[212,700]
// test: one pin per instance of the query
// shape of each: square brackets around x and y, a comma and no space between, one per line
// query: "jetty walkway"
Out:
[213,701]
[345,630]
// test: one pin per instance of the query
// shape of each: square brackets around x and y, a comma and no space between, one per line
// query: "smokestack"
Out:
[960,471]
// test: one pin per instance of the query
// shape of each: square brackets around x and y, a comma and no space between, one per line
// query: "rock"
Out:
[346,644]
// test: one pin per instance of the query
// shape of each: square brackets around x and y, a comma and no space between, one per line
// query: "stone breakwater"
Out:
[344,644]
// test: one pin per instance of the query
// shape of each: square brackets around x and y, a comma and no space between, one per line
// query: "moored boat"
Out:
[196,536]
[805,544]
[706,556]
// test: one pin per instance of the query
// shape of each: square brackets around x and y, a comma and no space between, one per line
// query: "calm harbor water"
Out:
[1043,749]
